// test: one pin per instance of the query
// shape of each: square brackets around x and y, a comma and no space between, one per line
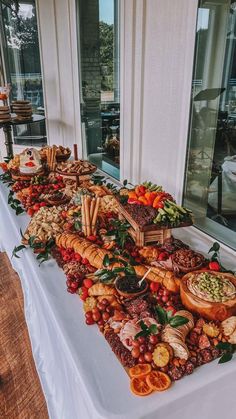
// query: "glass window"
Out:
[99,76]
[210,184]
[20,47]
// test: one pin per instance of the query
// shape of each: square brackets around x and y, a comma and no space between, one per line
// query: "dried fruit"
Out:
[139,386]
[211,330]
[139,370]
[162,354]
[158,381]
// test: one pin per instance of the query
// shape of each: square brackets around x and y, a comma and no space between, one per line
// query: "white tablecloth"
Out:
[80,376]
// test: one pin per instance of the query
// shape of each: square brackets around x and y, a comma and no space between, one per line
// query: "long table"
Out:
[80,376]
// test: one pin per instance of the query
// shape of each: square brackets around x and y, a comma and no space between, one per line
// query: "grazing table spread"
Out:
[163,309]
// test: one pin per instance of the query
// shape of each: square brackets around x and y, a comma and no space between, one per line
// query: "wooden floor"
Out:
[21,395]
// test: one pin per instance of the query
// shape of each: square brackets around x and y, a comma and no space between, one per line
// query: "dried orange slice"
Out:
[162,354]
[211,330]
[158,381]
[139,370]
[139,386]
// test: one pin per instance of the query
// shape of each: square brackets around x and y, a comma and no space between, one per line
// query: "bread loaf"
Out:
[101,289]
[95,256]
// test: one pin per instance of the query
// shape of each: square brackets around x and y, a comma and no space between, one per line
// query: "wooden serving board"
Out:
[148,234]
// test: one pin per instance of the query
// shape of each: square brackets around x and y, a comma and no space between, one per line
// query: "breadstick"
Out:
[95,215]
[53,156]
[92,206]
[83,215]
[87,216]
[50,158]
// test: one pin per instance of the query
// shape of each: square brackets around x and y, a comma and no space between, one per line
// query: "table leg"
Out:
[7,129]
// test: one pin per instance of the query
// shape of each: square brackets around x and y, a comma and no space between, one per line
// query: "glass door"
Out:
[98,34]
[21,55]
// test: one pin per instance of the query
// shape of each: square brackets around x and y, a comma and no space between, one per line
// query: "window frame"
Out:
[204,235]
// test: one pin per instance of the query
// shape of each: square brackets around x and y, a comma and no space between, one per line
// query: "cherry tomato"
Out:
[68,282]
[105,301]
[153,339]
[55,186]
[89,321]
[135,343]
[71,290]
[163,256]
[89,314]
[100,322]
[96,316]
[109,309]
[43,204]
[36,207]
[154,286]
[85,261]
[141,359]
[64,214]
[95,310]
[148,356]
[92,238]
[105,316]
[74,285]
[78,257]
[142,348]
[165,298]
[150,347]
[101,306]
[214,266]
[88,282]
[30,212]
[84,293]
[135,353]
[141,339]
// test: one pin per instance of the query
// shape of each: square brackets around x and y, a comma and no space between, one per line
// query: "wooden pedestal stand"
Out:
[148,234]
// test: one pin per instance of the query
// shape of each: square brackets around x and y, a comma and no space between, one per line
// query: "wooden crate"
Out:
[148,234]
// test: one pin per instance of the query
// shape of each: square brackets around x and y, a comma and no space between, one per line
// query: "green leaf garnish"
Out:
[16,250]
[161,315]
[224,346]
[176,321]
[226,357]
[106,261]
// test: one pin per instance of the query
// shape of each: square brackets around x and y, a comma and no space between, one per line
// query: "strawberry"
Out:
[214,266]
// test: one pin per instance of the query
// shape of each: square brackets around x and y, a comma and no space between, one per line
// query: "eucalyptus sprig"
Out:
[109,275]
[165,317]
[120,232]
[44,249]
[228,351]
[14,203]
[146,331]
[102,180]
[6,178]
[16,250]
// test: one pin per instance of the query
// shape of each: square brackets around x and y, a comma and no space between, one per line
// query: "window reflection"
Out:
[99,68]
[210,188]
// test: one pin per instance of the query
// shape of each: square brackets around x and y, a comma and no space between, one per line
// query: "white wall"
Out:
[58,42]
[162,62]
